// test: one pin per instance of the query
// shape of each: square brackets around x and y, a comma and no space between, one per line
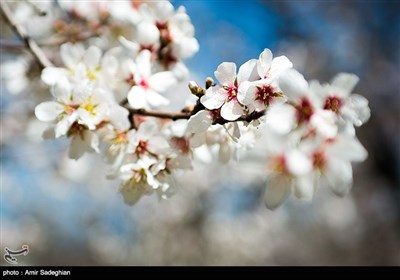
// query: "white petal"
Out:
[248,71]
[199,122]
[158,145]
[48,111]
[281,118]
[143,62]
[62,90]
[132,192]
[71,54]
[92,57]
[279,65]
[131,46]
[214,98]
[298,163]
[324,122]
[231,110]
[226,73]
[247,93]
[146,130]
[119,118]
[155,99]
[50,75]
[304,187]
[224,153]
[147,33]
[79,145]
[137,98]
[293,84]
[161,81]
[63,125]
[348,148]
[345,83]
[278,188]
[198,139]
[339,175]
[264,62]
[357,110]
[109,64]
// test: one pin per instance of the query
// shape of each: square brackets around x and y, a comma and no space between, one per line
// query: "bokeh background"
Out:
[69,214]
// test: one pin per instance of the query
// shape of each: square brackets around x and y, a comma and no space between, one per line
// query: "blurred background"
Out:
[69,214]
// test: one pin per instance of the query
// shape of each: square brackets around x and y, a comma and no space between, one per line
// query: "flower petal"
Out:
[281,118]
[304,187]
[344,83]
[147,33]
[293,84]
[62,90]
[92,57]
[278,188]
[339,175]
[279,65]
[214,97]
[324,123]
[248,71]
[50,75]
[199,122]
[226,73]
[143,62]
[155,99]
[298,163]
[71,54]
[357,110]
[48,111]
[161,81]
[264,63]
[247,93]
[137,98]
[231,110]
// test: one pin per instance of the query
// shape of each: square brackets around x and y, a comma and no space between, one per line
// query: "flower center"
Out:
[319,160]
[77,129]
[69,109]
[231,91]
[181,144]
[91,74]
[143,83]
[266,94]
[279,164]
[333,103]
[141,148]
[130,80]
[90,107]
[120,137]
[304,110]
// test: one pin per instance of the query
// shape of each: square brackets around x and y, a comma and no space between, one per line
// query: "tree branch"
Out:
[186,115]
[161,115]
[32,46]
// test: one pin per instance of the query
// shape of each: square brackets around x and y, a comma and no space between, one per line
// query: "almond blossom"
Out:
[259,94]
[225,96]
[146,86]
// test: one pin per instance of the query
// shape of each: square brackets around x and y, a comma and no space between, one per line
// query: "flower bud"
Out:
[209,82]
[195,88]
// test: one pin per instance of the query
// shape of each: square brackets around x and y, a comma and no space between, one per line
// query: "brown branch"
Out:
[186,115]
[161,115]
[32,46]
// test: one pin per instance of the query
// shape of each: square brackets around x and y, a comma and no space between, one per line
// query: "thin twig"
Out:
[32,46]
[186,115]
[161,115]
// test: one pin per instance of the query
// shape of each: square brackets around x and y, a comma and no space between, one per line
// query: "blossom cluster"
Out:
[111,84]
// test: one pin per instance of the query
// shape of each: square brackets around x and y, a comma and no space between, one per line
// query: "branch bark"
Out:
[32,46]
